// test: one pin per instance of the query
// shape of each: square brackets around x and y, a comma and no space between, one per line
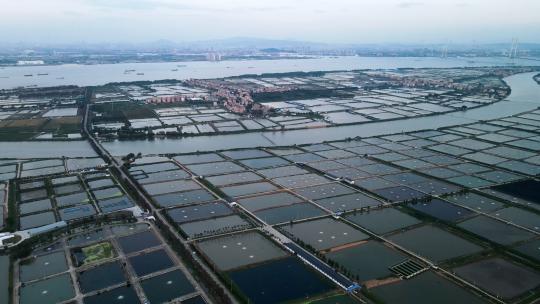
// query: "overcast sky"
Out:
[341,21]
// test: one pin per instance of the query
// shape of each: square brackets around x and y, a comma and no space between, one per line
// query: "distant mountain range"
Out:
[260,44]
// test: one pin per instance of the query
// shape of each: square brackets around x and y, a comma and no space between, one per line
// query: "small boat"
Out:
[43,74]
[140,73]
[174,70]
[28,75]
[128,71]
[59,77]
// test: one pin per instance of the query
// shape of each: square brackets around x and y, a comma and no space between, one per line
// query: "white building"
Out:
[30,62]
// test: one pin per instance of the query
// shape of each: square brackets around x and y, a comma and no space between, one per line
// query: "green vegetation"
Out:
[212,188]
[122,111]
[97,252]
[139,83]
[289,74]
[26,129]
[11,220]
[55,92]
[303,94]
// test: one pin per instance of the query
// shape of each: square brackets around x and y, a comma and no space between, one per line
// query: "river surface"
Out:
[46,149]
[99,74]
[525,96]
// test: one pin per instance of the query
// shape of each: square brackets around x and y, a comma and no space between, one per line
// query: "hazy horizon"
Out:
[321,21]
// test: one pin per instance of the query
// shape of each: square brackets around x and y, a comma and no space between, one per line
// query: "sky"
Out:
[330,21]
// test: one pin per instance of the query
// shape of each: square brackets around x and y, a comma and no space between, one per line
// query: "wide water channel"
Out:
[99,74]
[525,96]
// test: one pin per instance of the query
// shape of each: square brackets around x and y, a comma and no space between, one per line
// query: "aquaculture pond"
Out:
[214,226]
[426,288]
[49,291]
[368,261]
[214,168]
[234,178]
[87,237]
[4,278]
[166,287]
[34,206]
[198,158]
[124,229]
[475,201]
[183,198]
[238,250]
[442,210]
[199,212]
[260,284]
[260,163]
[139,241]
[194,300]
[324,233]
[500,277]
[324,191]
[101,277]
[527,190]
[382,221]
[348,202]
[121,295]
[76,212]
[495,231]
[335,299]
[269,200]
[246,189]
[147,263]
[530,249]
[37,220]
[289,213]
[171,186]
[519,217]
[434,243]
[43,266]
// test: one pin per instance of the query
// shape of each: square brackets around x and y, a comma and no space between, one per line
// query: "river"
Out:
[46,149]
[525,96]
[99,74]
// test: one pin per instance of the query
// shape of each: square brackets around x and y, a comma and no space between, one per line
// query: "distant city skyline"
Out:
[338,21]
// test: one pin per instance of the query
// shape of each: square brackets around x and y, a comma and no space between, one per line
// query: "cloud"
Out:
[201,6]
[316,20]
[410,4]
[149,5]
[122,4]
